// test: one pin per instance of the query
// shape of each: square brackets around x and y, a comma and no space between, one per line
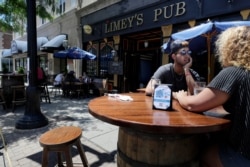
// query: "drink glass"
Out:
[199,86]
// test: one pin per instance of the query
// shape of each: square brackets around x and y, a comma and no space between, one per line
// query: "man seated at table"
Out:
[68,83]
[70,77]
[178,73]
[59,79]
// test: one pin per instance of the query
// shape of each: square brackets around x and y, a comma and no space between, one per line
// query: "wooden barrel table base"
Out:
[140,149]
[60,140]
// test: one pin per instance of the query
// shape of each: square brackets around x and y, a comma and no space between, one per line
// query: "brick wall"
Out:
[5,40]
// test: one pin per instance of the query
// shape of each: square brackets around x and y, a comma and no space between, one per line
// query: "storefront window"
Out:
[105,58]
[43,63]
[92,65]
[99,66]
[21,63]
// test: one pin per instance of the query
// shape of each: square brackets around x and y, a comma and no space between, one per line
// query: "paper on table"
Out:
[121,97]
[125,98]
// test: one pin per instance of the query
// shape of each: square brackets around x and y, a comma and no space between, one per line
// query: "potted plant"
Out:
[5,69]
[20,70]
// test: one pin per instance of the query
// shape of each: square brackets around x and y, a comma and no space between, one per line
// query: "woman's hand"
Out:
[174,95]
[179,94]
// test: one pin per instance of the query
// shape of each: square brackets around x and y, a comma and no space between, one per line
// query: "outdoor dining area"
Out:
[70,86]
[75,89]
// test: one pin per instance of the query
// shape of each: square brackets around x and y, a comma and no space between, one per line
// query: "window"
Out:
[61,6]
[20,62]
[105,58]
[99,66]
[91,67]
[43,21]
[73,3]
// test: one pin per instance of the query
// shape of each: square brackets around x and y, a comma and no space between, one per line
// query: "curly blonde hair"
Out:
[233,47]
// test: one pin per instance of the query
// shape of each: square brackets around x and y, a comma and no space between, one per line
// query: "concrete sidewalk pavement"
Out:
[99,139]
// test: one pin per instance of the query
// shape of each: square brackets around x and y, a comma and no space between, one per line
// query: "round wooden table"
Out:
[150,137]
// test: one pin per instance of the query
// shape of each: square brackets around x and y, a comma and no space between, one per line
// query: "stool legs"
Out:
[67,153]
[44,92]
[45,157]
[19,95]
[2,99]
[59,160]
[68,157]
[81,152]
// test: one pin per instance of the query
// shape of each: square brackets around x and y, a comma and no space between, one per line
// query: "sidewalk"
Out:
[99,139]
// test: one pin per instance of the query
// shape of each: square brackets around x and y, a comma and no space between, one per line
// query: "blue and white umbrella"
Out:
[74,53]
[203,32]
[201,38]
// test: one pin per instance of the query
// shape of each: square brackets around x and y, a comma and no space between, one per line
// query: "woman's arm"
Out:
[205,100]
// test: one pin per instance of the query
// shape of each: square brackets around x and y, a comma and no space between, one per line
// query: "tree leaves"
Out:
[13,13]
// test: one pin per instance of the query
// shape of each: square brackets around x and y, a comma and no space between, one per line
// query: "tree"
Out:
[13,13]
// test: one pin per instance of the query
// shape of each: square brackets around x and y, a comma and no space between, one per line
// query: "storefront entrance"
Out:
[142,56]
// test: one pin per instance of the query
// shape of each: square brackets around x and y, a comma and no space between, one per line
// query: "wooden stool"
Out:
[44,92]
[60,140]
[56,89]
[19,95]
[2,99]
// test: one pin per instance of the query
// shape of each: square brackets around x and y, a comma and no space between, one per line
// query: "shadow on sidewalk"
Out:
[102,157]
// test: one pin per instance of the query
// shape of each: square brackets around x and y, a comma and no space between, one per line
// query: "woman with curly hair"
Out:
[230,89]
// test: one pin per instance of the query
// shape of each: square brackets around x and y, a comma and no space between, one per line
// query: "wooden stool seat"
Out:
[60,140]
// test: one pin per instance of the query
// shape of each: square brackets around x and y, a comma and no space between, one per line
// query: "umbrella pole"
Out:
[208,59]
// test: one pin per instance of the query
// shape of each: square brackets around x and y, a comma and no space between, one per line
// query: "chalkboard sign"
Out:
[115,67]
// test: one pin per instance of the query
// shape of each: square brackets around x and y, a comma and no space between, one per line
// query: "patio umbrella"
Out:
[227,24]
[74,53]
[201,38]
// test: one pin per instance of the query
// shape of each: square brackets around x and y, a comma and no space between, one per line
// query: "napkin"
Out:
[125,98]
[121,97]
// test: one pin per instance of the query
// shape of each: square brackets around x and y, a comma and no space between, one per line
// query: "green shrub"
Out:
[21,70]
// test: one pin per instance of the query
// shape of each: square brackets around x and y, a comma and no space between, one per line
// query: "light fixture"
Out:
[65,44]
[113,53]
[87,29]
[145,44]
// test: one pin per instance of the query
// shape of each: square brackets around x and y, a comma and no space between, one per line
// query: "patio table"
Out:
[149,137]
